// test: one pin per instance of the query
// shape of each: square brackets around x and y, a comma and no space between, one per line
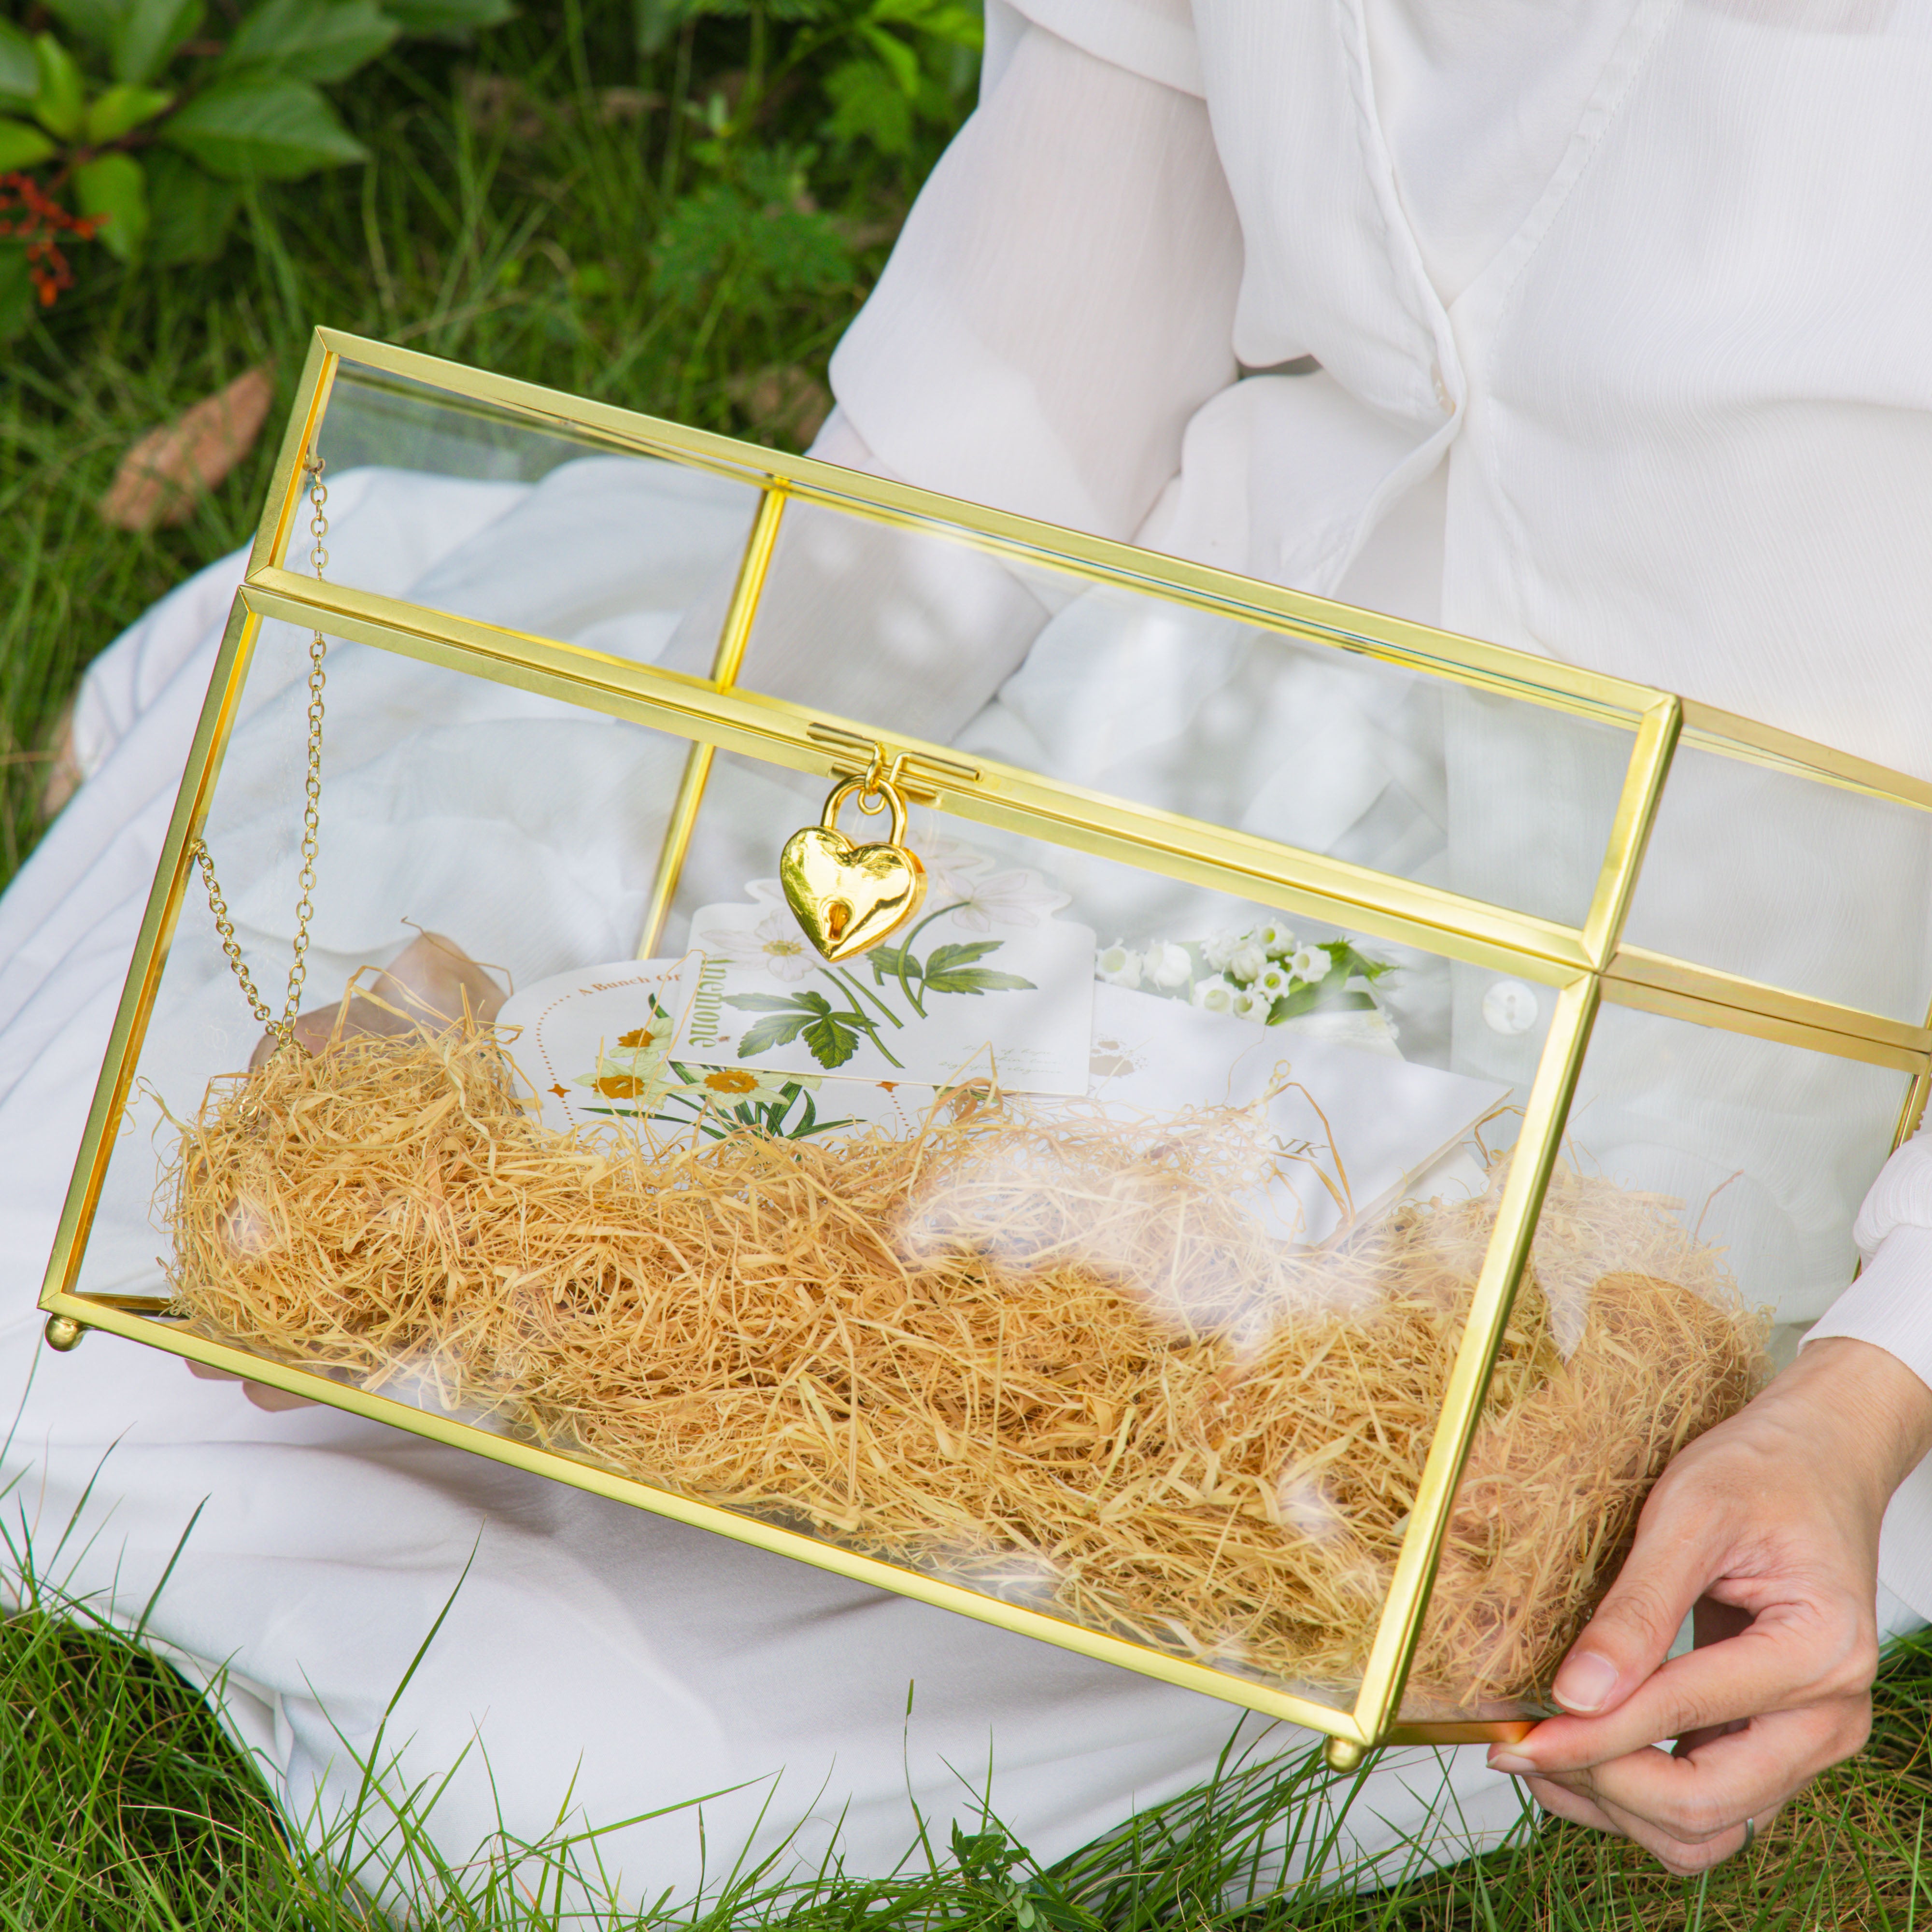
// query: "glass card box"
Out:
[1343,1085]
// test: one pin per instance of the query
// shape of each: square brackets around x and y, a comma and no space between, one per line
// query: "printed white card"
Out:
[985,982]
[609,1043]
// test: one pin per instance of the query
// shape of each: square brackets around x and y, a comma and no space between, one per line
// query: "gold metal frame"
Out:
[1584,964]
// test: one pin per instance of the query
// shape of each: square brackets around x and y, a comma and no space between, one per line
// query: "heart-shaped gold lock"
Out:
[849,897]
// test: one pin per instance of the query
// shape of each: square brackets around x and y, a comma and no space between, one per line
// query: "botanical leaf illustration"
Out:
[770,1116]
[779,1030]
[832,1044]
[949,969]
[832,1038]
[892,962]
[964,953]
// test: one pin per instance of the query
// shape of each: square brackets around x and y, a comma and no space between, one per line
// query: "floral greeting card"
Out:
[610,1043]
[985,981]
[1349,1129]
[745,1029]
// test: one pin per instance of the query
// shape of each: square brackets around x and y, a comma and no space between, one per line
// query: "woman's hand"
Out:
[1768,1525]
[263,1395]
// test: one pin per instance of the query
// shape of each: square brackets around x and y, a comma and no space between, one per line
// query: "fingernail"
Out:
[1507,1761]
[1585,1682]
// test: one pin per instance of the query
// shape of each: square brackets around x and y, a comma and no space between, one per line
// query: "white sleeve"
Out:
[1890,1304]
[1061,300]
[1153,38]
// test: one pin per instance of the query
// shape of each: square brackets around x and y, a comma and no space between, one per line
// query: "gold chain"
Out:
[284,1029]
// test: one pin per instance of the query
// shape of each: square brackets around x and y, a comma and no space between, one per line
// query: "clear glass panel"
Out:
[1707,1189]
[1065,1336]
[478,512]
[1127,693]
[1774,877]
[526,830]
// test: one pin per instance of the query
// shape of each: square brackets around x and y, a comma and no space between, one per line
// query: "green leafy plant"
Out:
[510,215]
[862,80]
[1265,974]
[141,124]
[894,64]
[755,226]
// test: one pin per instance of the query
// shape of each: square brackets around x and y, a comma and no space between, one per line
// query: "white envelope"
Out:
[1368,1122]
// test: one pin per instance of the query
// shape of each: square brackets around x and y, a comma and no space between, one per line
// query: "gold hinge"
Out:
[901,769]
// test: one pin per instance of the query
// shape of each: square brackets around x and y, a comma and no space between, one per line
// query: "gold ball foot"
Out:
[64,1332]
[1344,1755]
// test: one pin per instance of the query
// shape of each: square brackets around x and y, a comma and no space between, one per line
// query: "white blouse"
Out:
[1597,329]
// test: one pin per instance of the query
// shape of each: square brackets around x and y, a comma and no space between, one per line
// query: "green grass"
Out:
[556,205]
[122,1805]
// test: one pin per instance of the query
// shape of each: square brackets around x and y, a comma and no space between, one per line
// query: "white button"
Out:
[1509,1006]
[1445,402]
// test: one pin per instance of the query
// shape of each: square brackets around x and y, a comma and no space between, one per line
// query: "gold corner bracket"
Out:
[1657,734]
[285,480]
